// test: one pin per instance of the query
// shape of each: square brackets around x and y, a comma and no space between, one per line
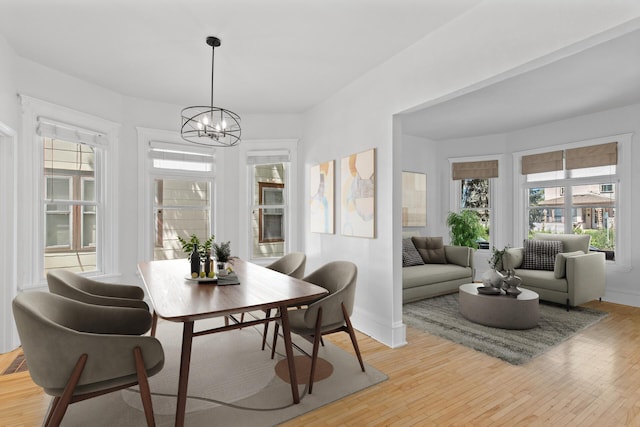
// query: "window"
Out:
[475,195]
[267,188]
[271,221]
[474,182]
[68,193]
[181,190]
[181,208]
[269,207]
[576,193]
[69,204]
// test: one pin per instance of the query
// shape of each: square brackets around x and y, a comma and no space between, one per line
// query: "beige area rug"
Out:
[231,383]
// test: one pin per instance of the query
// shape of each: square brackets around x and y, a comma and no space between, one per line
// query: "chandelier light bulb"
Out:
[199,125]
[205,120]
[224,124]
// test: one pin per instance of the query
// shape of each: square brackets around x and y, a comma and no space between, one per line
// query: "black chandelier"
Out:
[208,125]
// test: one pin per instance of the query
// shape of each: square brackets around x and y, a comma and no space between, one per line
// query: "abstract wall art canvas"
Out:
[414,199]
[358,194]
[321,190]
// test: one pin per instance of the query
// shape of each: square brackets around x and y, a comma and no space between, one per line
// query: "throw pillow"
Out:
[541,254]
[431,249]
[559,270]
[410,255]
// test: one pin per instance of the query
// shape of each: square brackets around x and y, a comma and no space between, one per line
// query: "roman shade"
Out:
[266,157]
[592,156]
[475,170]
[543,162]
[63,131]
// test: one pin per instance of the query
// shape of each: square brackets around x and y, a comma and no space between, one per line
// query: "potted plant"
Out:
[495,261]
[222,253]
[194,241]
[465,227]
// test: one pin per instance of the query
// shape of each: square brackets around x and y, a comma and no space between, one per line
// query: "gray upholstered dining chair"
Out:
[80,288]
[76,351]
[291,264]
[330,313]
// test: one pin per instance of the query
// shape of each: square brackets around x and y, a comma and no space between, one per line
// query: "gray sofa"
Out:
[442,270]
[576,276]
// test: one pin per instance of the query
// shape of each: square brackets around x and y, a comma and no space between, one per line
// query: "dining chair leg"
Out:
[316,344]
[266,327]
[54,405]
[275,339]
[154,323]
[352,334]
[65,399]
[145,391]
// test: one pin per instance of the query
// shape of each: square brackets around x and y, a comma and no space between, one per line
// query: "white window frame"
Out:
[76,126]
[495,197]
[623,190]
[256,148]
[147,174]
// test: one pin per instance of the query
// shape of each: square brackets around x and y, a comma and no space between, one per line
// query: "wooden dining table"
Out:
[177,298]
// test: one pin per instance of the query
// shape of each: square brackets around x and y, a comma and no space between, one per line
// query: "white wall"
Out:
[8,96]
[418,156]
[473,48]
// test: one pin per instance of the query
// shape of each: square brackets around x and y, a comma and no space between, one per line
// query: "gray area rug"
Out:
[441,316]
[231,383]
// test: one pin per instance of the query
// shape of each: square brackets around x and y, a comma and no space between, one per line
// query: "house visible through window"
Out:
[268,211]
[271,222]
[70,205]
[575,193]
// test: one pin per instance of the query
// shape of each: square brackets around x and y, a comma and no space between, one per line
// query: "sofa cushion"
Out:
[429,274]
[541,254]
[410,255]
[541,279]
[512,258]
[559,271]
[570,242]
[431,249]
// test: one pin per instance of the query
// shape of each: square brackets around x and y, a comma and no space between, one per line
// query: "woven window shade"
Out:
[543,162]
[592,156]
[475,170]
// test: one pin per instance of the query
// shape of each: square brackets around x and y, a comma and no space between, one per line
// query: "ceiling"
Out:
[277,56]
[285,56]
[599,78]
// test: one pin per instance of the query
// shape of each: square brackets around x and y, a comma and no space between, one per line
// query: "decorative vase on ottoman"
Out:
[511,284]
[492,278]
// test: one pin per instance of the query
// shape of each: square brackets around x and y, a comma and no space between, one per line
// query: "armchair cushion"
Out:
[410,255]
[559,270]
[513,258]
[541,254]
[431,249]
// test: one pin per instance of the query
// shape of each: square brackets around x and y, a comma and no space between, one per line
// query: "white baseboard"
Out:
[393,336]
[621,296]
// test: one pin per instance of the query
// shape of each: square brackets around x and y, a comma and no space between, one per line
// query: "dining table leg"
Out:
[286,332]
[183,381]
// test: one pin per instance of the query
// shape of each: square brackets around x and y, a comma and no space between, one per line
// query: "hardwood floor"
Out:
[592,379]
